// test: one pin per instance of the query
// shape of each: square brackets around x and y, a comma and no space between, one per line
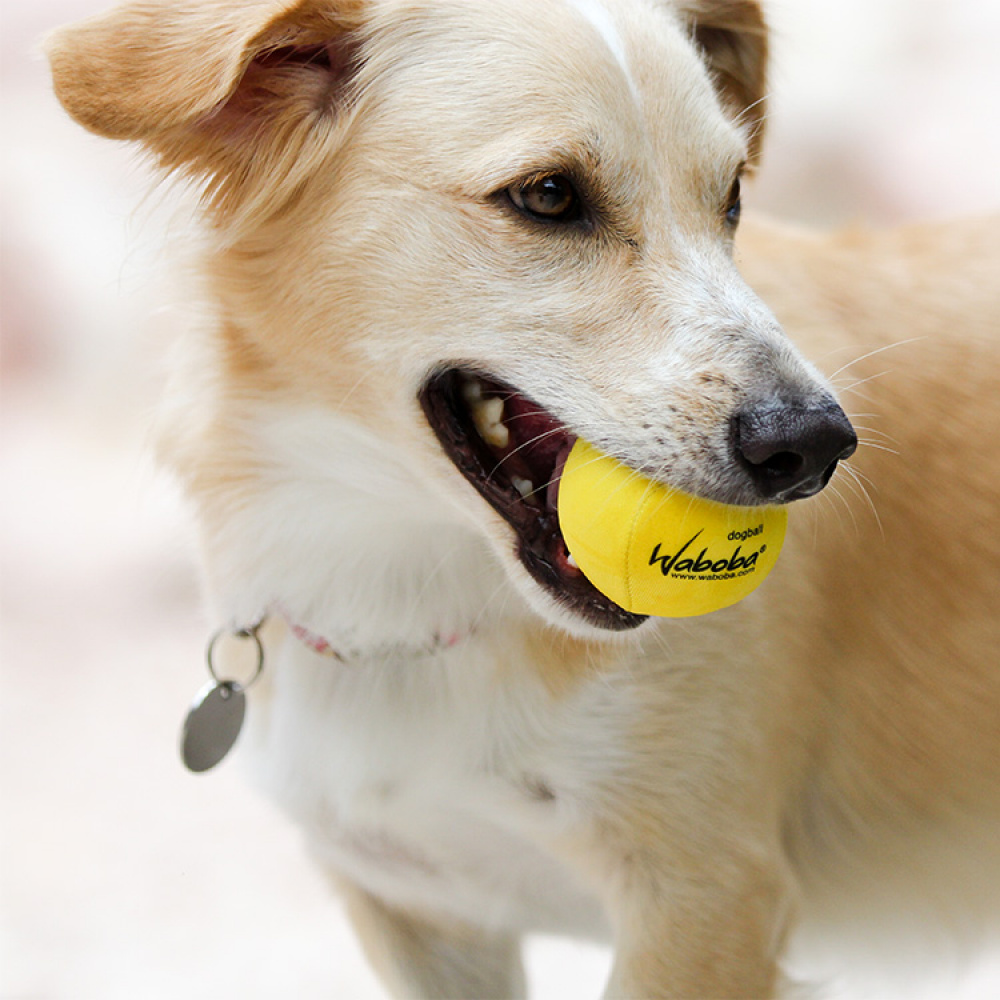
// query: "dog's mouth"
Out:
[512,451]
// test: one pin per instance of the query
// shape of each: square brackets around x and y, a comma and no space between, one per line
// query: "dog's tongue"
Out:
[540,440]
[538,435]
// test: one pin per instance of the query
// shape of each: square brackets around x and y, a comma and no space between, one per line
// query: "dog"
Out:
[443,240]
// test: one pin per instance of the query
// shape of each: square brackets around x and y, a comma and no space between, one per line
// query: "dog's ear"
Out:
[228,91]
[733,36]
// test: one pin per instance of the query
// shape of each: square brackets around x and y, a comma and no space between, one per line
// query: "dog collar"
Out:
[312,639]
[439,640]
[215,719]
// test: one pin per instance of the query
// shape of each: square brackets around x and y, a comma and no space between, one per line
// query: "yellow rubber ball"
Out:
[655,550]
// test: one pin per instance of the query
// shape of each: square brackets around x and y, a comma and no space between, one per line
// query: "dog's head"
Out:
[480,230]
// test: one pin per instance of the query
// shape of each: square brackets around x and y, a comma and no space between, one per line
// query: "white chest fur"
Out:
[432,784]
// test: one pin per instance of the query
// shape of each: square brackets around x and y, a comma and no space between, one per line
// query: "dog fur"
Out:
[823,755]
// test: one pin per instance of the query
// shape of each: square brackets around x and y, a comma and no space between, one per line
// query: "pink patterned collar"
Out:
[321,645]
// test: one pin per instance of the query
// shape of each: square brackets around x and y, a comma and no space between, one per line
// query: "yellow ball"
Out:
[655,550]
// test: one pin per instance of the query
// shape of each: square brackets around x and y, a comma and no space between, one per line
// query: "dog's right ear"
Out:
[225,90]
[733,38]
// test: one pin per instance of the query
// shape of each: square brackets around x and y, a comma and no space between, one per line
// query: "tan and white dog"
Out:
[443,238]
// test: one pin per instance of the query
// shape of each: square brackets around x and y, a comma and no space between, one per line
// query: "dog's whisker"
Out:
[840,502]
[503,587]
[758,122]
[862,395]
[345,399]
[756,104]
[877,446]
[522,446]
[590,461]
[854,471]
[869,429]
[855,479]
[871,354]
[863,381]
[509,419]
[421,591]
[856,419]
[832,499]
[872,435]
[630,478]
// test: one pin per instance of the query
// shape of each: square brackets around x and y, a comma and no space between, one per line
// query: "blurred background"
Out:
[122,875]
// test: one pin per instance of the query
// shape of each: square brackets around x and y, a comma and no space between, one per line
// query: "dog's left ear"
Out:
[732,34]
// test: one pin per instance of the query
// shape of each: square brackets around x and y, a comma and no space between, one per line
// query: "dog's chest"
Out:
[437,782]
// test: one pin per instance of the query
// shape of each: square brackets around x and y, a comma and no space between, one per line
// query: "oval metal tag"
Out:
[212,725]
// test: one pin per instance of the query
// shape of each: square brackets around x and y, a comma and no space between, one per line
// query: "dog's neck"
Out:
[338,536]
[322,646]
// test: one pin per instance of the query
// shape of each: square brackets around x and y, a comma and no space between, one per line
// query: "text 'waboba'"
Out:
[703,564]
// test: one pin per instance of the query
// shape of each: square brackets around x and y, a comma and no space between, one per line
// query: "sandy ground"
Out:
[122,876]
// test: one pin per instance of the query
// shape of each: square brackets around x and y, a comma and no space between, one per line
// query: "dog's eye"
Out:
[733,206]
[551,199]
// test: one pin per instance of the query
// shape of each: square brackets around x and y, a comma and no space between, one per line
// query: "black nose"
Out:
[791,450]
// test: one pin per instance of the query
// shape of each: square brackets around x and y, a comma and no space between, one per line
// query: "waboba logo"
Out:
[703,564]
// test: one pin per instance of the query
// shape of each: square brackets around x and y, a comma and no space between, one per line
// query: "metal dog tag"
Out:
[212,725]
[215,719]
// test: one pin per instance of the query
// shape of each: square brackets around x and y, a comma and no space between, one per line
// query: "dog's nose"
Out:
[791,450]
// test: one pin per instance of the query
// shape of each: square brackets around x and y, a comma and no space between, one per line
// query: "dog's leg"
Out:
[692,962]
[719,934]
[422,959]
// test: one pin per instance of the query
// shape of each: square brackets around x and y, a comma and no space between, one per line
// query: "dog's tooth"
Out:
[570,561]
[472,389]
[487,415]
[523,486]
[491,409]
[497,435]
